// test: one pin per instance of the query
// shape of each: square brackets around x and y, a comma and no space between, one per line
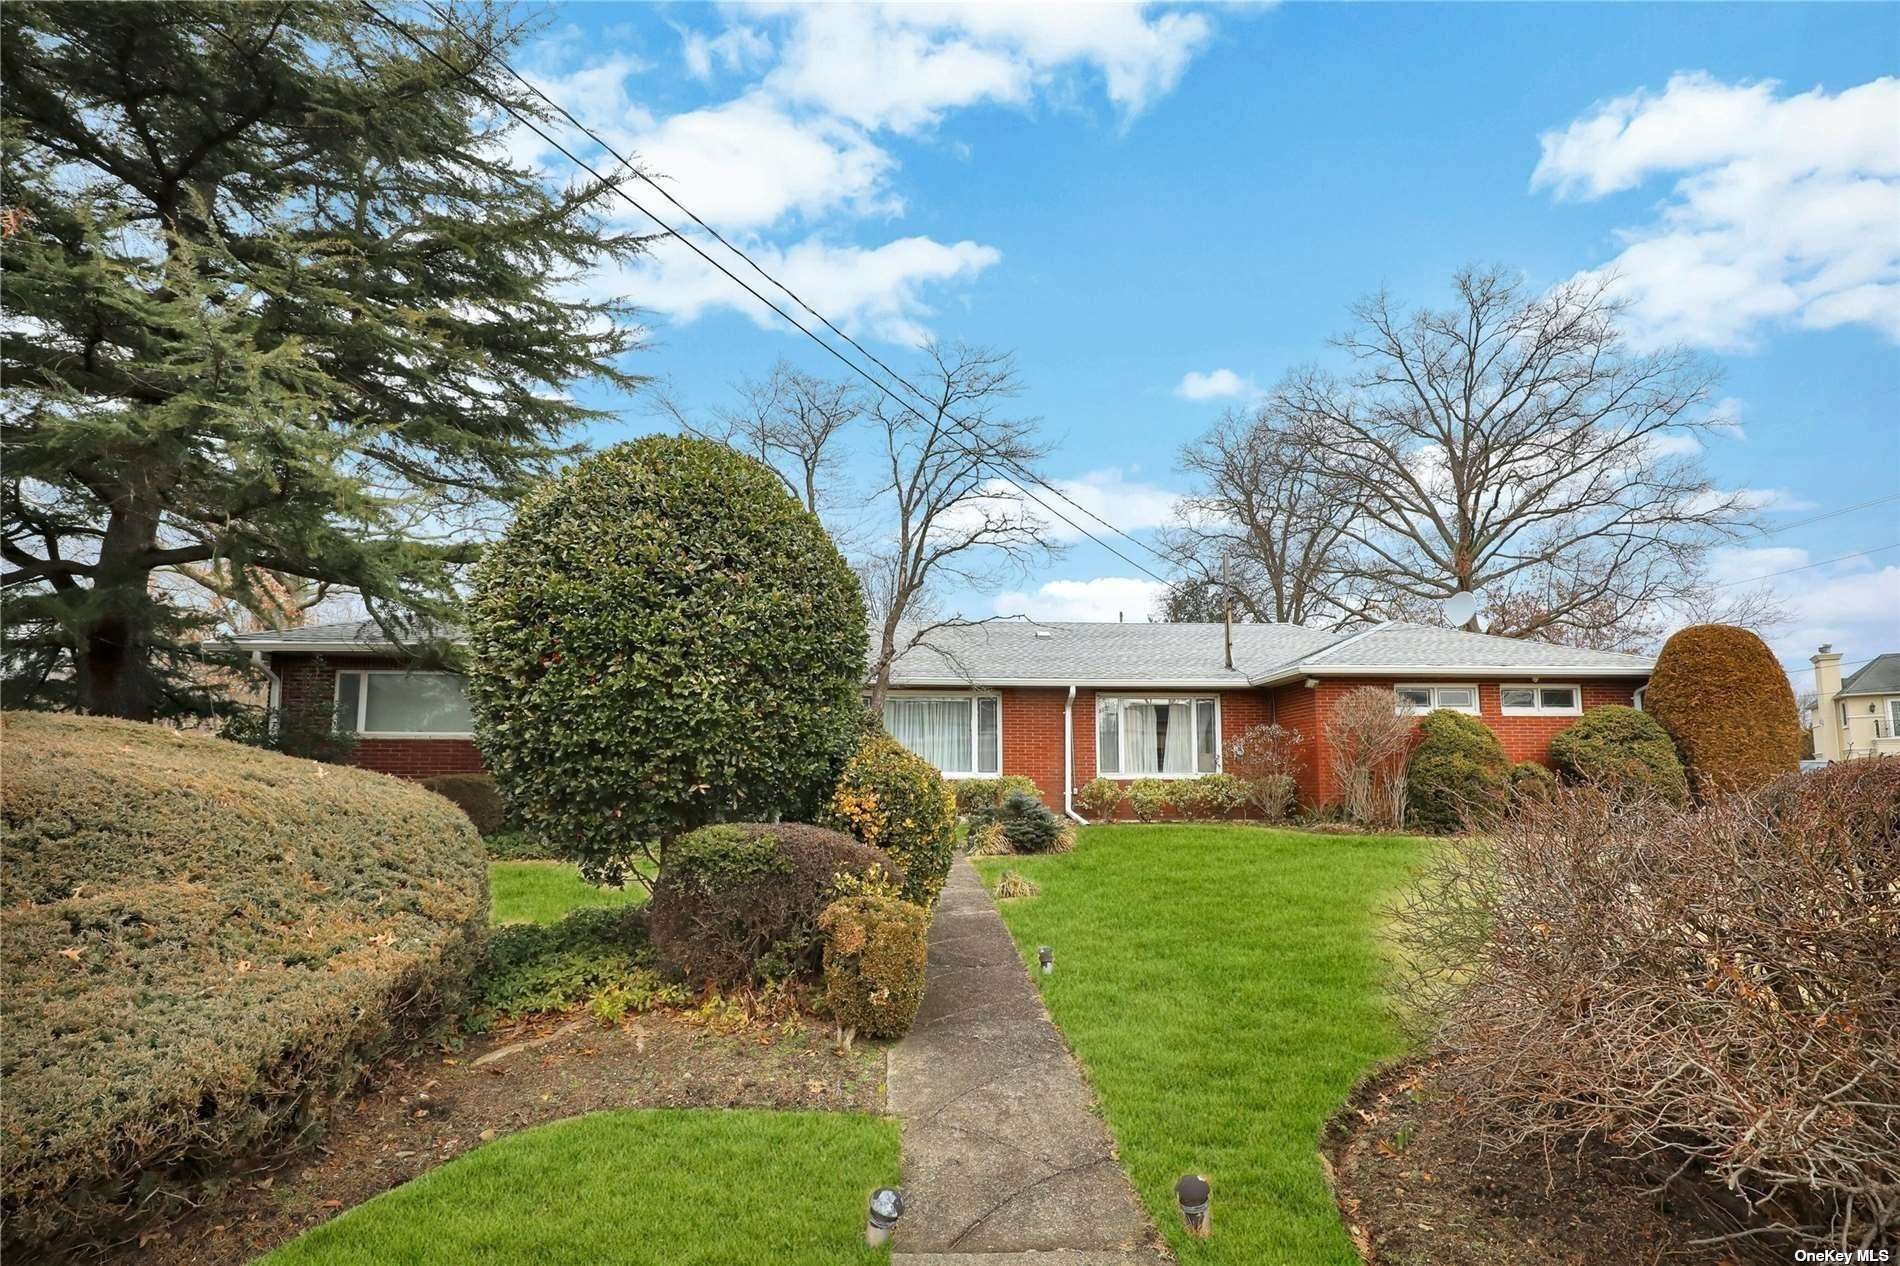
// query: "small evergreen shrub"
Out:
[738,903]
[664,638]
[1101,798]
[874,963]
[976,794]
[475,795]
[1457,773]
[535,967]
[1150,798]
[1623,748]
[1028,825]
[1531,783]
[202,946]
[1725,700]
[894,800]
[518,846]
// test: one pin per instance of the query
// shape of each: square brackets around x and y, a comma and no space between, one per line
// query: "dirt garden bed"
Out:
[1415,1190]
[419,1113]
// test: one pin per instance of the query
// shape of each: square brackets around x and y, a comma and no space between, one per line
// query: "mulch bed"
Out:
[432,1107]
[1414,1189]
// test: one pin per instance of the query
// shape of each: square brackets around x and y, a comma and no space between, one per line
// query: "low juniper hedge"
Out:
[204,944]
[538,967]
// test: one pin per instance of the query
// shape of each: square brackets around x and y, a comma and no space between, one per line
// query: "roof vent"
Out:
[1044,633]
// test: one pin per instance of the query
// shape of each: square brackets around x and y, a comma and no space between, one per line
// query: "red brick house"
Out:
[1061,703]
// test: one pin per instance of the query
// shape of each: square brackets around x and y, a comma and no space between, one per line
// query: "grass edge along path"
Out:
[650,1187]
[1223,989]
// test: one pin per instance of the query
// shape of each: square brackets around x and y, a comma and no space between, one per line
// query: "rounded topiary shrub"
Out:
[1150,798]
[735,903]
[874,963]
[663,638]
[202,945]
[896,801]
[1101,798]
[1622,748]
[475,795]
[1725,700]
[1457,773]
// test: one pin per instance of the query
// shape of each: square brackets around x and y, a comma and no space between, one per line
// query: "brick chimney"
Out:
[1828,738]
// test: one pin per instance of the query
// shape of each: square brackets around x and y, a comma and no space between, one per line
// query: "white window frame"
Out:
[1405,709]
[972,696]
[1538,709]
[362,703]
[1121,734]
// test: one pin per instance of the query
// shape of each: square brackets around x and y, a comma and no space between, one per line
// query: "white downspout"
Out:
[276,690]
[1068,759]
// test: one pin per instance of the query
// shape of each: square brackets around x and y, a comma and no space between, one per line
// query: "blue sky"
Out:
[1129,196]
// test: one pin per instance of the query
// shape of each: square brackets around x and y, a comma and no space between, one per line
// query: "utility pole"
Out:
[1227,612]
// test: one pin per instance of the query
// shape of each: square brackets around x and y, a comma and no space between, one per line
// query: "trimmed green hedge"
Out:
[203,945]
[977,794]
[663,639]
[874,963]
[1624,748]
[1456,774]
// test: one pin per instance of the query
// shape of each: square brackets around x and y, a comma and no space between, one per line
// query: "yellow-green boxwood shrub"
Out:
[874,963]
[203,945]
[663,639]
[1726,701]
[896,801]
[1457,773]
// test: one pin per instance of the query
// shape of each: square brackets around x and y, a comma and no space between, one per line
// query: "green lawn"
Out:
[541,892]
[1221,985]
[703,1187]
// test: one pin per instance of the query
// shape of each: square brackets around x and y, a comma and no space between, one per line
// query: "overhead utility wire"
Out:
[985,453]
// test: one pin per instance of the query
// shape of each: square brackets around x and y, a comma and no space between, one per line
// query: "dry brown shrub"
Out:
[1369,740]
[1714,992]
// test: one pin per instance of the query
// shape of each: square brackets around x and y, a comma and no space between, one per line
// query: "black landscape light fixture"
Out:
[1194,1195]
[887,1206]
[1047,957]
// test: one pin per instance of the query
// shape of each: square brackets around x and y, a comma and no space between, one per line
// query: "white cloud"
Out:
[877,289]
[1129,504]
[737,48]
[1774,499]
[902,66]
[1850,603]
[1783,208]
[1216,384]
[1103,598]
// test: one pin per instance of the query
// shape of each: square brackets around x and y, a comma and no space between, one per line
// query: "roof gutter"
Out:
[1532,671]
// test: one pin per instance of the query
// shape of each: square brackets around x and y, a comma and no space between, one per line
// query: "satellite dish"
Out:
[1459,608]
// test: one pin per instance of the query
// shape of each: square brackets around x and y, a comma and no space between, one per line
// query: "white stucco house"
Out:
[1860,716]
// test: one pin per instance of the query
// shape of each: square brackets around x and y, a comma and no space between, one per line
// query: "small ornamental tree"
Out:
[1726,701]
[663,639]
[1457,774]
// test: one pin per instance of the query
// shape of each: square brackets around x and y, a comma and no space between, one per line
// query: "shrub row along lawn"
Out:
[541,892]
[669,1186]
[1222,988]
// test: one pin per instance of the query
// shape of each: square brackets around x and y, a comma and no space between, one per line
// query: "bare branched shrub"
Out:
[1268,760]
[1369,739]
[1717,992]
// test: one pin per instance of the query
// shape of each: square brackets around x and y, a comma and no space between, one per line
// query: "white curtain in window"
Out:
[1140,739]
[936,729]
[1205,753]
[1180,753]
[416,703]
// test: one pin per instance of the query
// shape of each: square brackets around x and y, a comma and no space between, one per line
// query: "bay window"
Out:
[1416,700]
[395,703]
[962,735]
[1540,701]
[1156,738]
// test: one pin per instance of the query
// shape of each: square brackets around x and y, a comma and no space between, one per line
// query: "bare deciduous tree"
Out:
[788,421]
[1512,447]
[949,518]
[1268,511]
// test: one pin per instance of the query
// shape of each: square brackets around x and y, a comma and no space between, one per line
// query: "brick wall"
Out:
[311,680]
[1522,738]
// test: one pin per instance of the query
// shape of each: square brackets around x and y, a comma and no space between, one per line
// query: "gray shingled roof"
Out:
[1015,651]
[1878,676]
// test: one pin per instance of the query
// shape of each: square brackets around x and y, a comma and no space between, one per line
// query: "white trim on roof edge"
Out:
[317,648]
[1454,670]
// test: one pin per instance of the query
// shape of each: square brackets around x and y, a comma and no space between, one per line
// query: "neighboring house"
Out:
[1860,716]
[1061,703]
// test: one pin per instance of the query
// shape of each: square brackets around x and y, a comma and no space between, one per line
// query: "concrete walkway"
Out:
[1005,1160]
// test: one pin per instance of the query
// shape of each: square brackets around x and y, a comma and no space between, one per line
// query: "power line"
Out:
[1789,571]
[1831,514]
[1002,466]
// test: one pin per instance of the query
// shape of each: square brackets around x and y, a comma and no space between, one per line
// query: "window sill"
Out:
[1161,777]
[363,735]
[1544,712]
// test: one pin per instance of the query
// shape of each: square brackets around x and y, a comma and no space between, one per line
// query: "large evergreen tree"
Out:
[279,301]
